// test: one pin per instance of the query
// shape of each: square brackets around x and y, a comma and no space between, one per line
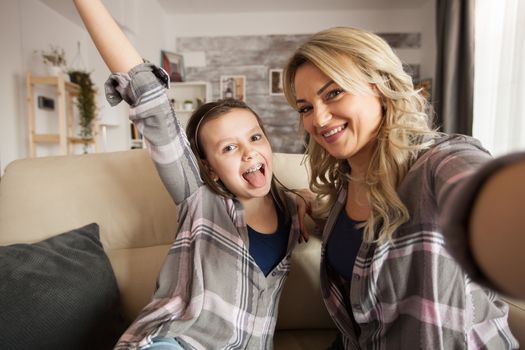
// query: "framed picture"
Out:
[233,86]
[173,63]
[426,88]
[276,82]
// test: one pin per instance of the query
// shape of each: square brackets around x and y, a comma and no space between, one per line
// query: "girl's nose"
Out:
[248,154]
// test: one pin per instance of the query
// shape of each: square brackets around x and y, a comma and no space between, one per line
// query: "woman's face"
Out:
[345,125]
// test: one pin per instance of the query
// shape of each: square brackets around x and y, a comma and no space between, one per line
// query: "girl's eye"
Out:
[304,110]
[228,148]
[333,93]
[256,137]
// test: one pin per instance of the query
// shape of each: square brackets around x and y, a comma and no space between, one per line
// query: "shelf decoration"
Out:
[86,99]
[173,64]
[54,60]
[233,86]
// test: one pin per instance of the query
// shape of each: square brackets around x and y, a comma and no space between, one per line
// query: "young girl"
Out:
[221,282]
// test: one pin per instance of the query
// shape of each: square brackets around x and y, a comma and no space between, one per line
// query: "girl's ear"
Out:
[210,171]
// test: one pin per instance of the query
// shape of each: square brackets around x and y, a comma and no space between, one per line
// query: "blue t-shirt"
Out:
[343,245]
[341,252]
[269,249]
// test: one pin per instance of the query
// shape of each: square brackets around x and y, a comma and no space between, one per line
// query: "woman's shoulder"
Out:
[445,145]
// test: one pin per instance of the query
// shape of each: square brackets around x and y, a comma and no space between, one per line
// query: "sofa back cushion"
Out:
[123,194]
[120,191]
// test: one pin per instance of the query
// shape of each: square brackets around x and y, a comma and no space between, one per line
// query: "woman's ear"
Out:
[210,171]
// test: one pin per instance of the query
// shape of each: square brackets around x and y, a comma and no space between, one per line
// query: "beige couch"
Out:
[121,191]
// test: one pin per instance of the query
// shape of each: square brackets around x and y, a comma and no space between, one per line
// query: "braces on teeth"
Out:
[255,168]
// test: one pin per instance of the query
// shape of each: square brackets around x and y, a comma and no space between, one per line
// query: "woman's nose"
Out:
[321,117]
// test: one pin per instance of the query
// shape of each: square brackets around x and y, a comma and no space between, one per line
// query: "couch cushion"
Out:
[137,270]
[301,305]
[59,293]
[121,191]
[517,319]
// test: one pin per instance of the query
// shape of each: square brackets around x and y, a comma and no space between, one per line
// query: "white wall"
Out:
[408,20]
[11,140]
[26,26]
[29,25]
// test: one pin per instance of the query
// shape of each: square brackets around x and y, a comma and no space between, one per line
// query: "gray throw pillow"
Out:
[60,293]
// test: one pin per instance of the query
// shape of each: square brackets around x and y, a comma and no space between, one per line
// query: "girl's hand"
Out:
[304,200]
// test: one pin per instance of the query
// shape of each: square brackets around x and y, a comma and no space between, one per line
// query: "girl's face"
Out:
[345,125]
[238,153]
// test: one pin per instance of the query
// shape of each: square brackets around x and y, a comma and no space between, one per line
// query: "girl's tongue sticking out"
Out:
[255,176]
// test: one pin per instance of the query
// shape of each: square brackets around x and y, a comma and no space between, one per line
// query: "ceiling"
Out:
[176,7]
[185,7]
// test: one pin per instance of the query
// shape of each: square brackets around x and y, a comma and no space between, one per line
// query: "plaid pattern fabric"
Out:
[211,294]
[409,293]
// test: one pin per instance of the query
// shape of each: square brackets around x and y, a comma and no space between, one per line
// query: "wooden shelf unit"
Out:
[65,94]
[188,90]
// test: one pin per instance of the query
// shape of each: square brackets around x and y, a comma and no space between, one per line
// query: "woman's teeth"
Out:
[334,131]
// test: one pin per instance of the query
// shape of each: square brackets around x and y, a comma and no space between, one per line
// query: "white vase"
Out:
[55,70]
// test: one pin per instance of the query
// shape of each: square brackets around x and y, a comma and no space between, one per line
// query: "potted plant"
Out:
[54,59]
[188,105]
[86,104]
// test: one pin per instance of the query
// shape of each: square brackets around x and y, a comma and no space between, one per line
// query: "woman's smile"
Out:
[332,134]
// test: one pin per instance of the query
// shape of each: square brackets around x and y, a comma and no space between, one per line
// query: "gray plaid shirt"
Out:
[409,292]
[211,294]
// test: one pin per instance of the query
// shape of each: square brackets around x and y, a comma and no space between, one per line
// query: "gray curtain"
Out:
[454,84]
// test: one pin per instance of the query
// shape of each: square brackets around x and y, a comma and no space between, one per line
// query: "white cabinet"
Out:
[198,92]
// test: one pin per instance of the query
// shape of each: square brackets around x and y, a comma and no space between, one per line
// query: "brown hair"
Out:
[214,110]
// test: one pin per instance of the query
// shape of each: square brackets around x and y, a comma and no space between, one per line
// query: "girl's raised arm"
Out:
[143,87]
[112,44]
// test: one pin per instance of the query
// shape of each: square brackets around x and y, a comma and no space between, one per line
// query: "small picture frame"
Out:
[426,88]
[233,86]
[173,64]
[275,78]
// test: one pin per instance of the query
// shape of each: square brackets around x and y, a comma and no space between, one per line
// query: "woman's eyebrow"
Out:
[325,86]
[319,92]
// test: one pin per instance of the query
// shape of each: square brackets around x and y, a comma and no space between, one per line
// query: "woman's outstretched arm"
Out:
[483,224]
[497,229]
[112,44]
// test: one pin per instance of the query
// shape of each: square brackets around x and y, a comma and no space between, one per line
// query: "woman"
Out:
[385,176]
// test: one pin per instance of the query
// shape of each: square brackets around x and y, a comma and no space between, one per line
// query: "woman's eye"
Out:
[256,137]
[304,110]
[334,93]
[228,148]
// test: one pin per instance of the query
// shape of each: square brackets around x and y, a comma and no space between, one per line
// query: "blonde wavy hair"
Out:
[354,59]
